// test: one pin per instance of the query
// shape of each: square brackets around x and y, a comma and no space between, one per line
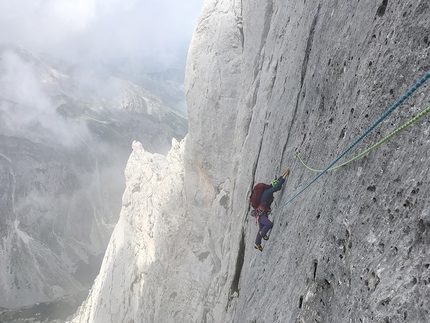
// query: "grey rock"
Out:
[354,246]
[54,223]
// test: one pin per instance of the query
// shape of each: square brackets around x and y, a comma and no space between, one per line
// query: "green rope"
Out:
[407,124]
[364,134]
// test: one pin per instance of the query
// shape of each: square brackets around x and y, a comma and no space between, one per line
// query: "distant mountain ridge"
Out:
[65,137]
[81,96]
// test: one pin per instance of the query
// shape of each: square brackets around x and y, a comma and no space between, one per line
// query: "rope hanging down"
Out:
[378,121]
[407,124]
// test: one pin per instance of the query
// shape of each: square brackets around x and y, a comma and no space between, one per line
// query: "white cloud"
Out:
[26,110]
[73,15]
[100,29]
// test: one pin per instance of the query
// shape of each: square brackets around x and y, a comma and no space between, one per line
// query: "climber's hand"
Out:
[285,174]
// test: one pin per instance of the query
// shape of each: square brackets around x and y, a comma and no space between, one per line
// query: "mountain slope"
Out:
[353,247]
[65,136]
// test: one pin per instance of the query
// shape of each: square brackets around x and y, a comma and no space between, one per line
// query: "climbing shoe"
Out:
[265,237]
[259,247]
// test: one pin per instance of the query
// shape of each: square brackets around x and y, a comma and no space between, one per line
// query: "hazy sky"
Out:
[85,30]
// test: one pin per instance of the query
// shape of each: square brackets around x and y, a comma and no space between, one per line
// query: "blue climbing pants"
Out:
[265,225]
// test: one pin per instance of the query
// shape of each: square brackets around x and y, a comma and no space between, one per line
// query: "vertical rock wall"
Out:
[353,247]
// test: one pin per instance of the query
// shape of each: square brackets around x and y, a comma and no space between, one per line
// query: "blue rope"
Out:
[393,107]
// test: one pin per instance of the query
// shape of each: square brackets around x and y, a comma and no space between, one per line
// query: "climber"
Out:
[263,209]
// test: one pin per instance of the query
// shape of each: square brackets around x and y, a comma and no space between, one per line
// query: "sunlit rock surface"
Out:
[354,246]
[150,223]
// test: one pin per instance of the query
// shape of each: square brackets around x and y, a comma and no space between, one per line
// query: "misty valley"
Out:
[65,137]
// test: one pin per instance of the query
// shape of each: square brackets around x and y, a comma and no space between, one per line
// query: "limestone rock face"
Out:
[143,242]
[261,76]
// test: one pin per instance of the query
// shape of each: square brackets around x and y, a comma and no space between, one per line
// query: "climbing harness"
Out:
[407,124]
[365,133]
